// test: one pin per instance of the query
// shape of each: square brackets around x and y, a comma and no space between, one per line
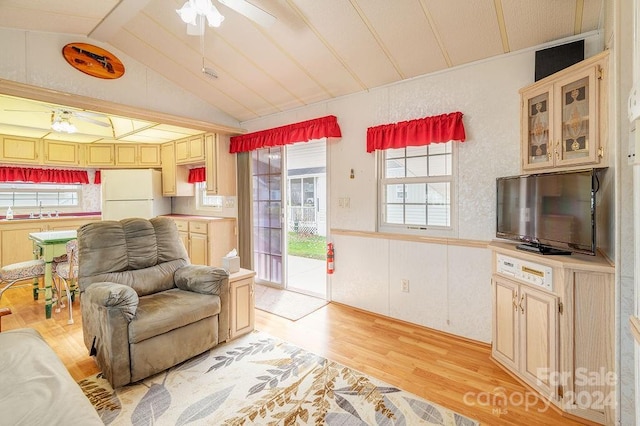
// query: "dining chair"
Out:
[14,272]
[66,271]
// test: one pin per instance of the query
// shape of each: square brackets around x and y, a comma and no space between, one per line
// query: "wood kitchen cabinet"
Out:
[220,165]
[137,155]
[563,118]
[99,155]
[207,239]
[174,178]
[15,245]
[526,331]
[242,303]
[61,153]
[553,327]
[190,150]
[20,150]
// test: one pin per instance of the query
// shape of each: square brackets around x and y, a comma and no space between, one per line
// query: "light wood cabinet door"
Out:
[133,155]
[190,150]
[126,155]
[167,155]
[16,245]
[20,150]
[220,165]
[242,306]
[100,155]
[505,322]
[198,248]
[174,178]
[149,155]
[525,333]
[539,339]
[182,151]
[196,148]
[563,118]
[66,153]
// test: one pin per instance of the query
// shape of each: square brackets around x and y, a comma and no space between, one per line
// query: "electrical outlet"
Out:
[404,283]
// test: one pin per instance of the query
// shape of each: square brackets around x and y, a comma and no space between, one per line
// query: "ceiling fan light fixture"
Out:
[192,9]
[63,125]
[188,13]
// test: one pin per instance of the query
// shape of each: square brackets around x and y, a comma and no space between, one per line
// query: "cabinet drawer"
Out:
[182,225]
[198,227]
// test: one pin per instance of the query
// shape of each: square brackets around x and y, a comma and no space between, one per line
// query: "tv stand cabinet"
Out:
[553,327]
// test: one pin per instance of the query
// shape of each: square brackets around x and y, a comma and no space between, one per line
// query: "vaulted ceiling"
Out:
[316,49]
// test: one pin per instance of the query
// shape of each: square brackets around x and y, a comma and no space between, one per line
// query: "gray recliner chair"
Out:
[145,308]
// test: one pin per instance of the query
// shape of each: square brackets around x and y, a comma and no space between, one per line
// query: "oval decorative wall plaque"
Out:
[93,60]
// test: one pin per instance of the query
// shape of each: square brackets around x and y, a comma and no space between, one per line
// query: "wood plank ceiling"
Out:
[316,50]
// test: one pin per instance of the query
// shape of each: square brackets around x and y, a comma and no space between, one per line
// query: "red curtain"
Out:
[323,127]
[423,131]
[198,174]
[23,174]
[97,179]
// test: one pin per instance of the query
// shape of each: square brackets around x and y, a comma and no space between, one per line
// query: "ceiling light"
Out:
[62,124]
[195,10]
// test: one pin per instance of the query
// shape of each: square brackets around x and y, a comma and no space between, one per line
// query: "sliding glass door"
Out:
[290,217]
[268,238]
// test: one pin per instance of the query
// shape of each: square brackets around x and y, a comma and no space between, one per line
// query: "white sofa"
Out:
[35,386]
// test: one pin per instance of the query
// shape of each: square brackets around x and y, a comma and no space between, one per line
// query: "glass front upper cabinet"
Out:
[561,118]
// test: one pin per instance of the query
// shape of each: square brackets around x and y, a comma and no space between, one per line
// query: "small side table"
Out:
[242,303]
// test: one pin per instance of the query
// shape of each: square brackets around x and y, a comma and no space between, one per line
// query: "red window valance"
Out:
[24,174]
[324,127]
[422,131]
[198,174]
[97,178]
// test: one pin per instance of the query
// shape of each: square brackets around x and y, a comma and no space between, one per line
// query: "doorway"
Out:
[290,217]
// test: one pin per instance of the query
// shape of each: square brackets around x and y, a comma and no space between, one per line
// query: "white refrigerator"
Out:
[133,193]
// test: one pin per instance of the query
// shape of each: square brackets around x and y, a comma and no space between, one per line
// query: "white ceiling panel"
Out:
[530,23]
[340,25]
[316,49]
[469,29]
[410,43]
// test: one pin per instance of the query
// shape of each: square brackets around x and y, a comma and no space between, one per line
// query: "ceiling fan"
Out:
[194,13]
[61,118]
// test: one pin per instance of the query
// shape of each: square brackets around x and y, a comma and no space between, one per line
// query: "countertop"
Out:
[25,217]
[197,217]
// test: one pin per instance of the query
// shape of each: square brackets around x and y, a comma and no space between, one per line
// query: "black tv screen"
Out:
[552,213]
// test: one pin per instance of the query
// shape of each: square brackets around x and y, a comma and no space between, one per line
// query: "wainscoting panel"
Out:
[361,273]
[424,265]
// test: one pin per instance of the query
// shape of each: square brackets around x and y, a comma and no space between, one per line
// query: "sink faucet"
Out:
[40,210]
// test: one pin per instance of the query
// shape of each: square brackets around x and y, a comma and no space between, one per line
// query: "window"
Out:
[204,200]
[32,195]
[416,189]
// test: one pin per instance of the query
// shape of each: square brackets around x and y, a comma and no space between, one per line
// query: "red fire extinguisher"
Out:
[330,265]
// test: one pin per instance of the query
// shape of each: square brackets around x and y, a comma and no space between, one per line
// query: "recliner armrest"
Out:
[112,295]
[202,279]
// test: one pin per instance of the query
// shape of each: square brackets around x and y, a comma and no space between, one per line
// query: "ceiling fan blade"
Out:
[88,114]
[25,110]
[91,120]
[252,12]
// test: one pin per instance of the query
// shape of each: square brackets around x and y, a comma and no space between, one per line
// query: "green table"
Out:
[49,245]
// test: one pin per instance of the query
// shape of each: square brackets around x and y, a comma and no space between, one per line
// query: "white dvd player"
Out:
[525,271]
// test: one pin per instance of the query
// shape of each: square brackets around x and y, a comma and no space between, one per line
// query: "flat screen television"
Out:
[550,213]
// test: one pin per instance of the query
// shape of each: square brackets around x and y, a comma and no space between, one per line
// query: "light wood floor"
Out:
[452,372]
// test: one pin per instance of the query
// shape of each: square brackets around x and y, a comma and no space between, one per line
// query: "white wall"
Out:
[36,59]
[449,284]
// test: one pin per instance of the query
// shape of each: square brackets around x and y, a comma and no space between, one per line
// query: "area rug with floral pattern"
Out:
[258,379]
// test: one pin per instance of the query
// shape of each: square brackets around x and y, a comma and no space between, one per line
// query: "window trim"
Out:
[34,188]
[200,193]
[450,231]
